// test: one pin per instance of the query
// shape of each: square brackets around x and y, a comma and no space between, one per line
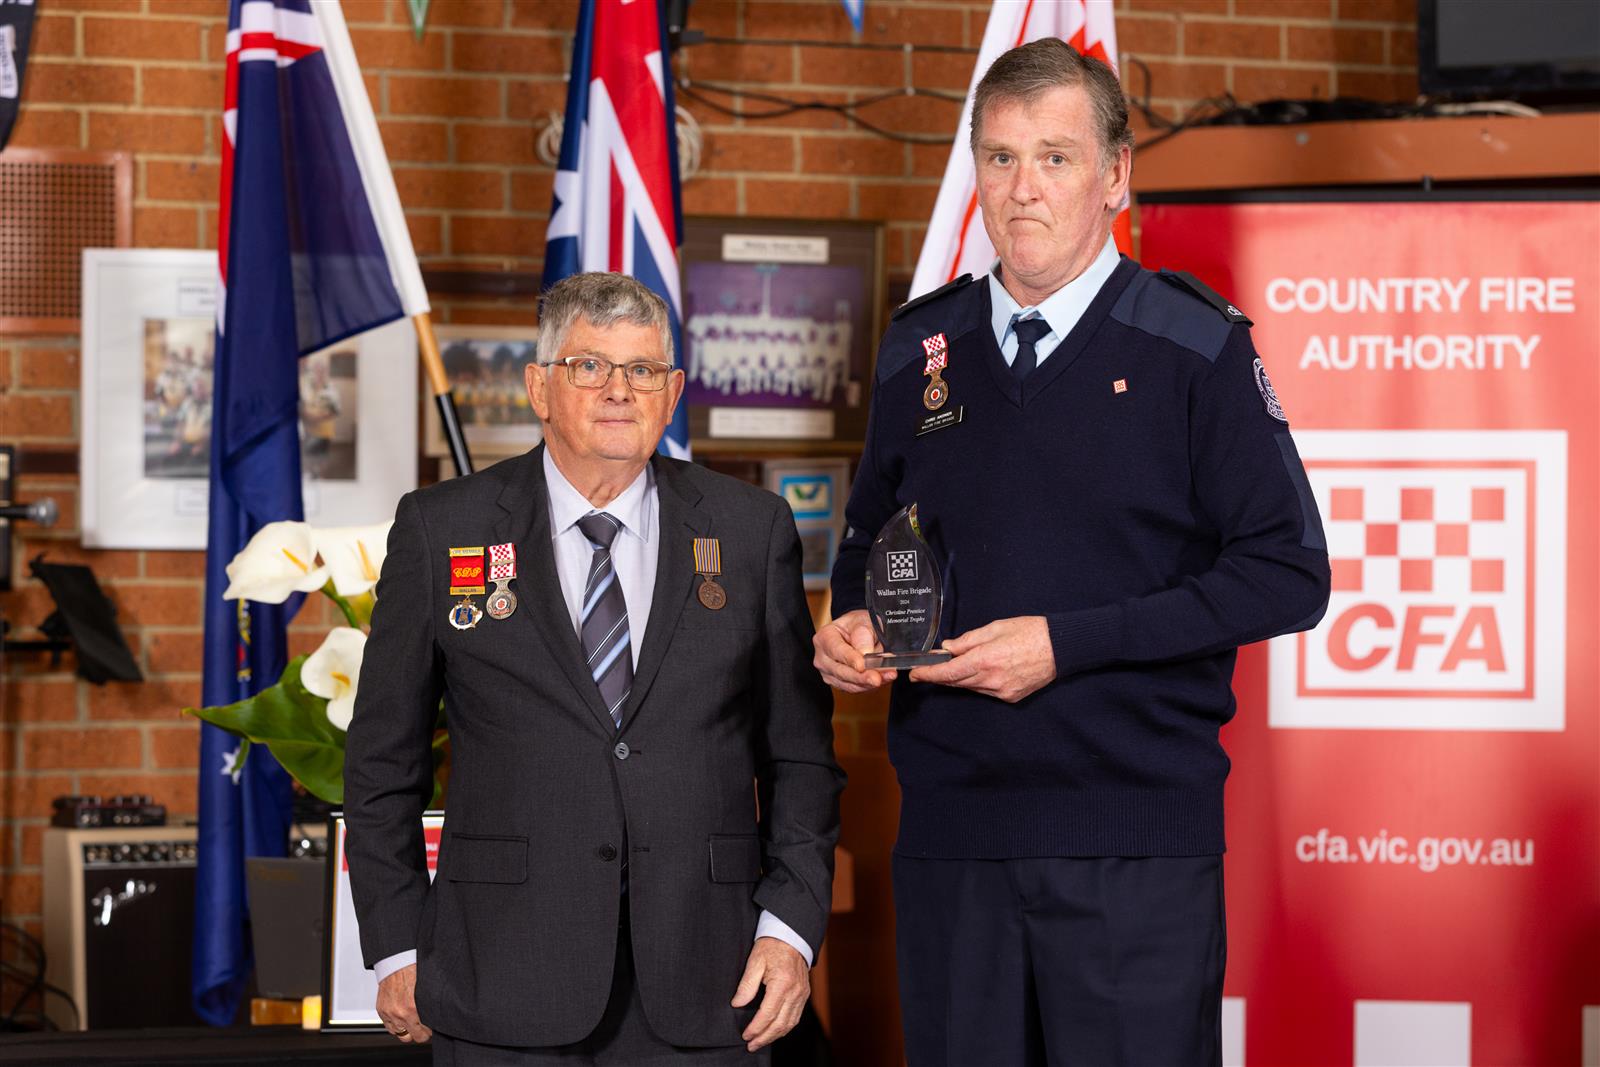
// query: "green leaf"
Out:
[419,15]
[293,723]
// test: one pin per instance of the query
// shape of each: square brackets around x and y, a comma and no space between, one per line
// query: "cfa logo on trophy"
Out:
[905,596]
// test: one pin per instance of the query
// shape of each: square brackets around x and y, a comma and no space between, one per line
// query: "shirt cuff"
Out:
[390,964]
[769,925]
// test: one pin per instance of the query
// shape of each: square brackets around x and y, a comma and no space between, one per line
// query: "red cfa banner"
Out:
[1414,811]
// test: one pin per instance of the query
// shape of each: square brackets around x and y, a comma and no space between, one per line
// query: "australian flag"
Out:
[302,266]
[616,204]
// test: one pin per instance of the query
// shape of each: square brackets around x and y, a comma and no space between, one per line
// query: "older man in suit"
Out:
[643,798]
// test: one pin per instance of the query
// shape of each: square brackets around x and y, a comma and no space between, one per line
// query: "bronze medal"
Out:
[708,564]
[712,595]
[935,395]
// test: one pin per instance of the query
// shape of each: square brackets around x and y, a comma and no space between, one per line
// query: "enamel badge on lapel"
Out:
[502,568]
[708,564]
[937,393]
[466,581]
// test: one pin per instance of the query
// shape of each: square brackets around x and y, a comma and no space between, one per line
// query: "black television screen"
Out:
[1532,49]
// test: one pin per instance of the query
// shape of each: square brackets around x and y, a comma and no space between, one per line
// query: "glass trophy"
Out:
[905,596]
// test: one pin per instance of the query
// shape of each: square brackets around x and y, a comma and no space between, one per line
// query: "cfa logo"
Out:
[902,566]
[1448,609]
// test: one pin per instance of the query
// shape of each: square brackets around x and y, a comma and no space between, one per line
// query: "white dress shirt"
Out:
[634,552]
[1061,309]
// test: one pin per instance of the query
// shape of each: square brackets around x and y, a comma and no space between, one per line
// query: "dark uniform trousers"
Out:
[623,1038]
[1061,962]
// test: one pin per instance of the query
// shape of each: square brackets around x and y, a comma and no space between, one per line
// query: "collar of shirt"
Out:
[633,507]
[1061,309]
[633,552]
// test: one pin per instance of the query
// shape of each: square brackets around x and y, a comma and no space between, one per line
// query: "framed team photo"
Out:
[780,321]
[485,365]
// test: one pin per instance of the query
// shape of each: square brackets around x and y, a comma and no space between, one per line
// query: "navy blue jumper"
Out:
[1141,492]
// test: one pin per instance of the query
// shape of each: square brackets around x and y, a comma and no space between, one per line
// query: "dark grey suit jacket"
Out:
[726,793]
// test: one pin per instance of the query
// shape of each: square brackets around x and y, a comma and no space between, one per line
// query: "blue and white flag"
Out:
[313,249]
[616,204]
[854,8]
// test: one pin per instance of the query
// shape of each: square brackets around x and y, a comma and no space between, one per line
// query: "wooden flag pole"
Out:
[446,401]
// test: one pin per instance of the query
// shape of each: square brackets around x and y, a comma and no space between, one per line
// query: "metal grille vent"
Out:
[53,205]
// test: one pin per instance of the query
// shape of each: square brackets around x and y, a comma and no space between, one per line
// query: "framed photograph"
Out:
[781,318]
[815,490]
[149,332]
[485,365]
[349,990]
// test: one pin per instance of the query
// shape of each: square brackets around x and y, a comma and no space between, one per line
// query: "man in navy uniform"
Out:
[1110,482]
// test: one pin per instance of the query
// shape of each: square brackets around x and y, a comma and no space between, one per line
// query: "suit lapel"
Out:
[525,501]
[681,521]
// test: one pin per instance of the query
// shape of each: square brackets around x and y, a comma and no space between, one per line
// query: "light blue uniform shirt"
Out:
[1061,309]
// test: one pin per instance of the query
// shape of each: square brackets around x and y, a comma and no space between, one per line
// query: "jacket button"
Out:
[606,852]
[621,751]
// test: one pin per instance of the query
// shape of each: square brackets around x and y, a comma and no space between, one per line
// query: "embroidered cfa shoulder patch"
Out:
[1268,396]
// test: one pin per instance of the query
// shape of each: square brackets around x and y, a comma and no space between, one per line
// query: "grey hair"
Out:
[602,299]
[1028,71]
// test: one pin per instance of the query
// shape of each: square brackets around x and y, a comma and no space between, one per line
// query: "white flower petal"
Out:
[334,670]
[342,709]
[354,555]
[279,560]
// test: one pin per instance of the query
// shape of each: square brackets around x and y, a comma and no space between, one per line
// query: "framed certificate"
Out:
[349,990]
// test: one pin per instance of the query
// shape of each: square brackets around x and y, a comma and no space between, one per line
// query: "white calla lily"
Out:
[354,555]
[334,669]
[279,560]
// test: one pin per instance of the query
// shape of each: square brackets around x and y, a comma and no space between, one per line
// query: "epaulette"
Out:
[929,296]
[1199,288]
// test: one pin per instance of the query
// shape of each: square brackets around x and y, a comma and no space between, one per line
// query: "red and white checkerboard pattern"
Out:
[1448,552]
[1442,535]
[502,562]
[1404,1033]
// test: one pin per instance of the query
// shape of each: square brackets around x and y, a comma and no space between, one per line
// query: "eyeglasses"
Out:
[593,372]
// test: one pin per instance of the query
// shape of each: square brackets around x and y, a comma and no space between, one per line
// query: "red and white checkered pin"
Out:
[938,350]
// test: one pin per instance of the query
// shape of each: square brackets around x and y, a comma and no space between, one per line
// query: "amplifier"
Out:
[119,924]
[107,811]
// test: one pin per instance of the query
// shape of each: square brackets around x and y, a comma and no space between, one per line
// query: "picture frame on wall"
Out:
[148,355]
[781,320]
[485,367]
[815,490]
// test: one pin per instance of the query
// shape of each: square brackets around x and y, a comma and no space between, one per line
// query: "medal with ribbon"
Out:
[708,564]
[937,392]
[502,568]
[466,581]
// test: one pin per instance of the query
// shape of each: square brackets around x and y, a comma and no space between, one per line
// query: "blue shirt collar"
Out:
[1061,309]
[631,507]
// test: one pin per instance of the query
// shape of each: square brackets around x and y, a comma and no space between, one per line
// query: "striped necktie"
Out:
[1028,331]
[603,621]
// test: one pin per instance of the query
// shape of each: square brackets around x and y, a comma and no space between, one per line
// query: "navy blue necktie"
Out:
[1028,332]
[603,619]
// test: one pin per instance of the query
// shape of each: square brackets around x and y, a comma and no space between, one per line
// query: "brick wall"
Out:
[459,112]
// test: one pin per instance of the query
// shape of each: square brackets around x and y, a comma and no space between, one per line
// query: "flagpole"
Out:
[442,396]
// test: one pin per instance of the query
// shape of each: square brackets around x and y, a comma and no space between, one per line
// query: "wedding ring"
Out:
[402,1032]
